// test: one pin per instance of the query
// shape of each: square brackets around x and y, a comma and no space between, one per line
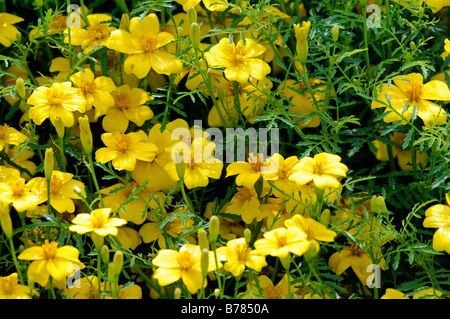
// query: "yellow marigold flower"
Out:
[303,102]
[200,163]
[129,105]
[88,288]
[58,100]
[184,264]
[96,90]
[11,289]
[17,192]
[438,216]
[324,170]
[356,258]
[22,159]
[240,60]
[95,34]
[8,32]
[144,46]
[237,255]
[314,231]
[98,222]
[211,5]
[249,172]
[393,294]
[282,170]
[150,232]
[408,92]
[124,149]
[282,241]
[269,290]
[50,260]
[301,34]
[246,204]
[10,136]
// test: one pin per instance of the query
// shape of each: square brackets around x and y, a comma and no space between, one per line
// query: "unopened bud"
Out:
[412,45]
[214,228]
[124,22]
[301,34]
[335,33]
[117,262]
[180,168]
[39,3]
[59,126]
[204,262]
[177,293]
[105,254]
[191,15]
[421,12]
[5,219]
[85,134]
[20,86]
[325,217]
[247,235]
[217,292]
[378,205]
[202,239]
[111,274]
[48,163]
[194,32]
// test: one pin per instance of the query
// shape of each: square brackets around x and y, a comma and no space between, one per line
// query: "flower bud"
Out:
[325,217]
[111,274]
[204,262]
[214,228]
[412,45]
[177,293]
[124,22]
[247,235]
[202,239]
[85,134]
[39,3]
[421,12]
[5,219]
[48,163]
[59,126]
[191,15]
[301,34]
[194,32]
[117,262]
[378,205]
[180,167]
[20,86]
[217,292]
[105,254]
[335,33]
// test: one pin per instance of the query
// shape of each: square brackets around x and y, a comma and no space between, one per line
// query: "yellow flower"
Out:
[282,241]
[21,157]
[438,216]
[8,32]
[11,289]
[200,163]
[129,237]
[98,222]
[240,60]
[393,294]
[50,260]
[129,105]
[314,230]
[17,192]
[246,204]
[237,255]
[303,102]
[124,149]
[184,264]
[408,92]
[88,288]
[269,290]
[144,46]
[324,170]
[211,5]
[447,45]
[96,34]
[249,172]
[427,293]
[96,91]
[58,100]
[301,34]
[62,190]
[10,136]
[283,169]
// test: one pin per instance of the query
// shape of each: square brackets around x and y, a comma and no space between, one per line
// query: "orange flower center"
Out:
[185,260]
[255,162]
[58,22]
[243,193]
[55,97]
[355,249]
[88,87]
[127,191]
[97,219]
[122,143]
[414,91]
[281,240]
[319,168]
[55,184]
[123,101]
[272,292]
[17,187]
[98,31]
[148,43]
[49,249]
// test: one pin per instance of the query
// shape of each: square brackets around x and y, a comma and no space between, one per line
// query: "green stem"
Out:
[94,178]
[16,263]
[52,290]
[217,271]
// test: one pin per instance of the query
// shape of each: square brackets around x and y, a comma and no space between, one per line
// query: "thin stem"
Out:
[16,263]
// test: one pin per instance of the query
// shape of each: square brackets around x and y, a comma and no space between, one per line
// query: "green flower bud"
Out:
[204,262]
[335,33]
[105,254]
[194,33]
[202,239]
[325,217]
[59,126]
[124,22]
[177,293]
[5,219]
[48,164]
[191,15]
[214,228]
[248,236]
[20,86]
[85,134]
[117,262]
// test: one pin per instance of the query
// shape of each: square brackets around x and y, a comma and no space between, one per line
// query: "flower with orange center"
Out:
[249,172]
[58,100]
[281,169]
[129,105]
[144,45]
[184,264]
[11,289]
[246,204]
[324,170]
[98,222]
[63,189]
[88,288]
[124,149]
[95,34]
[15,191]
[237,255]
[51,260]
[8,32]
[240,61]
[96,91]
[10,136]
[409,92]
[282,241]
[263,288]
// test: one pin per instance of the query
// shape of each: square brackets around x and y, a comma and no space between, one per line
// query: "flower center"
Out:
[319,167]
[355,249]
[88,87]
[239,55]
[98,31]
[255,162]
[148,43]
[272,292]
[58,22]
[55,97]
[243,193]
[17,187]
[281,240]
[122,143]
[241,251]
[49,249]
[185,260]
[123,101]
[97,219]
[55,184]
[414,91]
